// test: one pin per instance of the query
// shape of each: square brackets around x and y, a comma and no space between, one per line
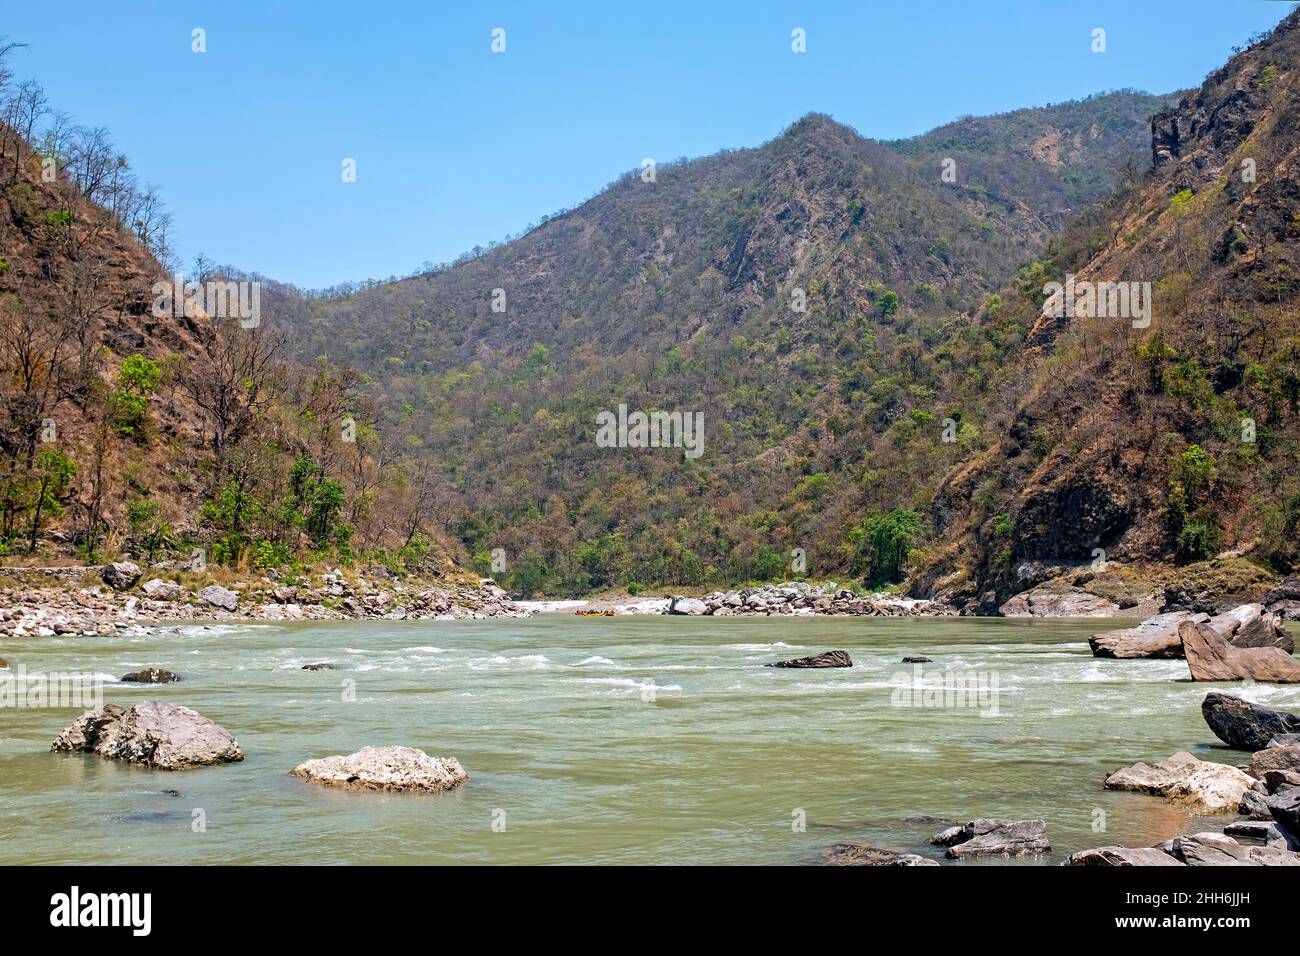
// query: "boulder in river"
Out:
[321,666]
[825,659]
[1211,658]
[151,675]
[1248,625]
[1213,787]
[1122,856]
[988,837]
[385,768]
[856,854]
[917,659]
[121,575]
[1156,637]
[1243,725]
[218,596]
[163,736]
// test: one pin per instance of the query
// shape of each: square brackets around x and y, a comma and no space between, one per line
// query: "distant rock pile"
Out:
[801,598]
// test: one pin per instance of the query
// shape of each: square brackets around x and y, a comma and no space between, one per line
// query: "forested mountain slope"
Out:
[799,295]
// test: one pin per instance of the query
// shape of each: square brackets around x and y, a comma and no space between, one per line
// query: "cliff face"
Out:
[1172,441]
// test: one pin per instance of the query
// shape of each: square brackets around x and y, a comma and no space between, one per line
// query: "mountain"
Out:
[1175,442]
[804,296]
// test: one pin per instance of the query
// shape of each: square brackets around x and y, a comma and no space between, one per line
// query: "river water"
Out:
[628,740]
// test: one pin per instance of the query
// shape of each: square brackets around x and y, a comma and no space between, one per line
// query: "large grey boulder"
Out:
[163,736]
[1249,625]
[987,837]
[856,854]
[121,575]
[1156,637]
[685,605]
[1211,658]
[158,589]
[825,659]
[385,768]
[1218,849]
[1122,856]
[1182,778]
[1243,725]
[220,597]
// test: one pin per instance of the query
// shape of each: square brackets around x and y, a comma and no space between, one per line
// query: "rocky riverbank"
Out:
[124,597]
[801,598]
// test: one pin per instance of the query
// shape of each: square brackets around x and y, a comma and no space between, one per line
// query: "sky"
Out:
[456,145]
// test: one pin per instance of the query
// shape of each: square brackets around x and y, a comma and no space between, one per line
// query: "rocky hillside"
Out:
[1171,442]
[799,295]
[130,424]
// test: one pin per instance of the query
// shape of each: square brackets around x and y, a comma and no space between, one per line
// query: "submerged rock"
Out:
[163,736]
[985,836]
[826,659]
[856,854]
[1215,787]
[322,666]
[385,768]
[1211,658]
[1243,725]
[917,660]
[151,675]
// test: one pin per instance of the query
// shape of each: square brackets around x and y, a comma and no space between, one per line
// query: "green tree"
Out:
[52,472]
[881,544]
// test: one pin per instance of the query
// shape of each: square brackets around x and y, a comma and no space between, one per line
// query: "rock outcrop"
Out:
[1182,778]
[385,768]
[162,736]
[1243,725]
[988,837]
[1075,602]
[1211,658]
[825,659]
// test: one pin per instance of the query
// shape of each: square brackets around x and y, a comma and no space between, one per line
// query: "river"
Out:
[635,740]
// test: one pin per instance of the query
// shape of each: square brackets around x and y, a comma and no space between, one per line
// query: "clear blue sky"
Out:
[456,145]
